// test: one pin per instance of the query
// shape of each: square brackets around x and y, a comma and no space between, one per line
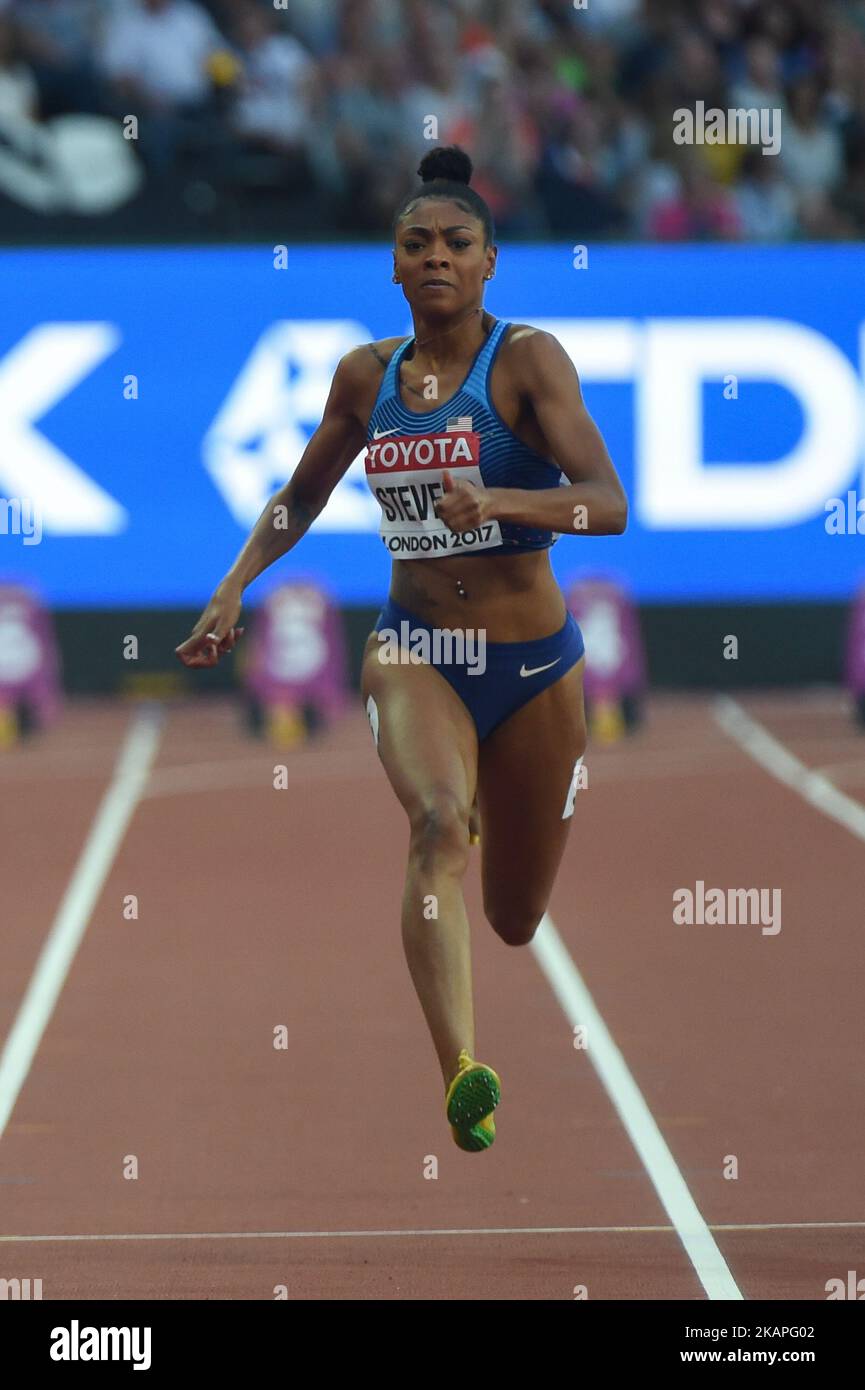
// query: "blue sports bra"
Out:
[408,450]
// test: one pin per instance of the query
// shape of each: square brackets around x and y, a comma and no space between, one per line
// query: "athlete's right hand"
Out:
[215,632]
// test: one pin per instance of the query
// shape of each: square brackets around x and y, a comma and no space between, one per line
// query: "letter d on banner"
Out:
[682,491]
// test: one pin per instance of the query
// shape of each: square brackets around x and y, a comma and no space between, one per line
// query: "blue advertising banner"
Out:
[152,400]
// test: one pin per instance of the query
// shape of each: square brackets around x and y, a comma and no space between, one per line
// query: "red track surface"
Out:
[261,908]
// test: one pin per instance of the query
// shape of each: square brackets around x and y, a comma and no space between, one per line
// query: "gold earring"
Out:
[395,279]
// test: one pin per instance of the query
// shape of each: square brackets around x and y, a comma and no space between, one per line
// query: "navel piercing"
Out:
[460,590]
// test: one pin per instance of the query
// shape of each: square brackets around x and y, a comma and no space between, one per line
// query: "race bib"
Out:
[405,473]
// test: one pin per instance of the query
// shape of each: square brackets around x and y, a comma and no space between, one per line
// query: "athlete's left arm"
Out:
[595,503]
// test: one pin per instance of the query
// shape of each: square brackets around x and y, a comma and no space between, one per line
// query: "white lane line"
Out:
[67,930]
[457,1231]
[578,1006]
[789,1226]
[199,778]
[812,786]
[256,774]
[358,1235]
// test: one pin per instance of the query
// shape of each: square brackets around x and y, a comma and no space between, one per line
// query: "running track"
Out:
[304,1166]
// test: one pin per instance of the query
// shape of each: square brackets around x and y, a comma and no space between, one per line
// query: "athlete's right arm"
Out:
[291,511]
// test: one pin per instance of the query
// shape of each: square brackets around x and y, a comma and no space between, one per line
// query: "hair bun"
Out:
[447,162]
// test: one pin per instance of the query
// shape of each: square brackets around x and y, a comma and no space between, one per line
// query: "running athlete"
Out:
[481,453]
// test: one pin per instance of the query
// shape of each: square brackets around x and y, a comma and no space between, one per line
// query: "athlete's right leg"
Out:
[428,745]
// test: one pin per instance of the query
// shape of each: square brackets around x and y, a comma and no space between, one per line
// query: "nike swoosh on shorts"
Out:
[535,670]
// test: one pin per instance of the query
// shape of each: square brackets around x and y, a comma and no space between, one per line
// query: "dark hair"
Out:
[445,173]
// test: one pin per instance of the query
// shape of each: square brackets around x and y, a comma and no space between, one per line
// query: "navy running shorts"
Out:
[493,679]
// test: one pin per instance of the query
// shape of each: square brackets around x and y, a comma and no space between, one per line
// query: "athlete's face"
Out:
[439,257]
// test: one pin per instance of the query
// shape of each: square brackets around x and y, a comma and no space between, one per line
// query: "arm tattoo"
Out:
[301,515]
[377,355]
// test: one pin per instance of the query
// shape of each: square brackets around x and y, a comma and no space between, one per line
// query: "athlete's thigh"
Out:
[525,774]
[425,736]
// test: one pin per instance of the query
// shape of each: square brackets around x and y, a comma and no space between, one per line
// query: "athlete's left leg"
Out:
[525,779]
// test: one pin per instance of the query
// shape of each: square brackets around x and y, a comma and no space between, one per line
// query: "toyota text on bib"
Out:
[405,473]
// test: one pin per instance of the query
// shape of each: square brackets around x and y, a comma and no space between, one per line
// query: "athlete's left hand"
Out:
[464,505]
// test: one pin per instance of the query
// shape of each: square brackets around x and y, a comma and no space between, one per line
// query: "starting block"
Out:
[295,674]
[854,659]
[614,683]
[30,695]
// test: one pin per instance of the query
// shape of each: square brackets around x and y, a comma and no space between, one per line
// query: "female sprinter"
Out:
[469,426]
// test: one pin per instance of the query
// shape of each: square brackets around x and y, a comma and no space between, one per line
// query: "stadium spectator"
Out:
[372,141]
[811,147]
[439,87]
[850,199]
[765,203]
[314,22]
[272,106]
[19,94]
[505,144]
[155,57]
[571,178]
[158,52]
[760,85]
[58,38]
[702,210]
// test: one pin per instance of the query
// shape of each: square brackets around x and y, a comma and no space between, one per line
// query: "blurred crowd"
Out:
[567,109]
